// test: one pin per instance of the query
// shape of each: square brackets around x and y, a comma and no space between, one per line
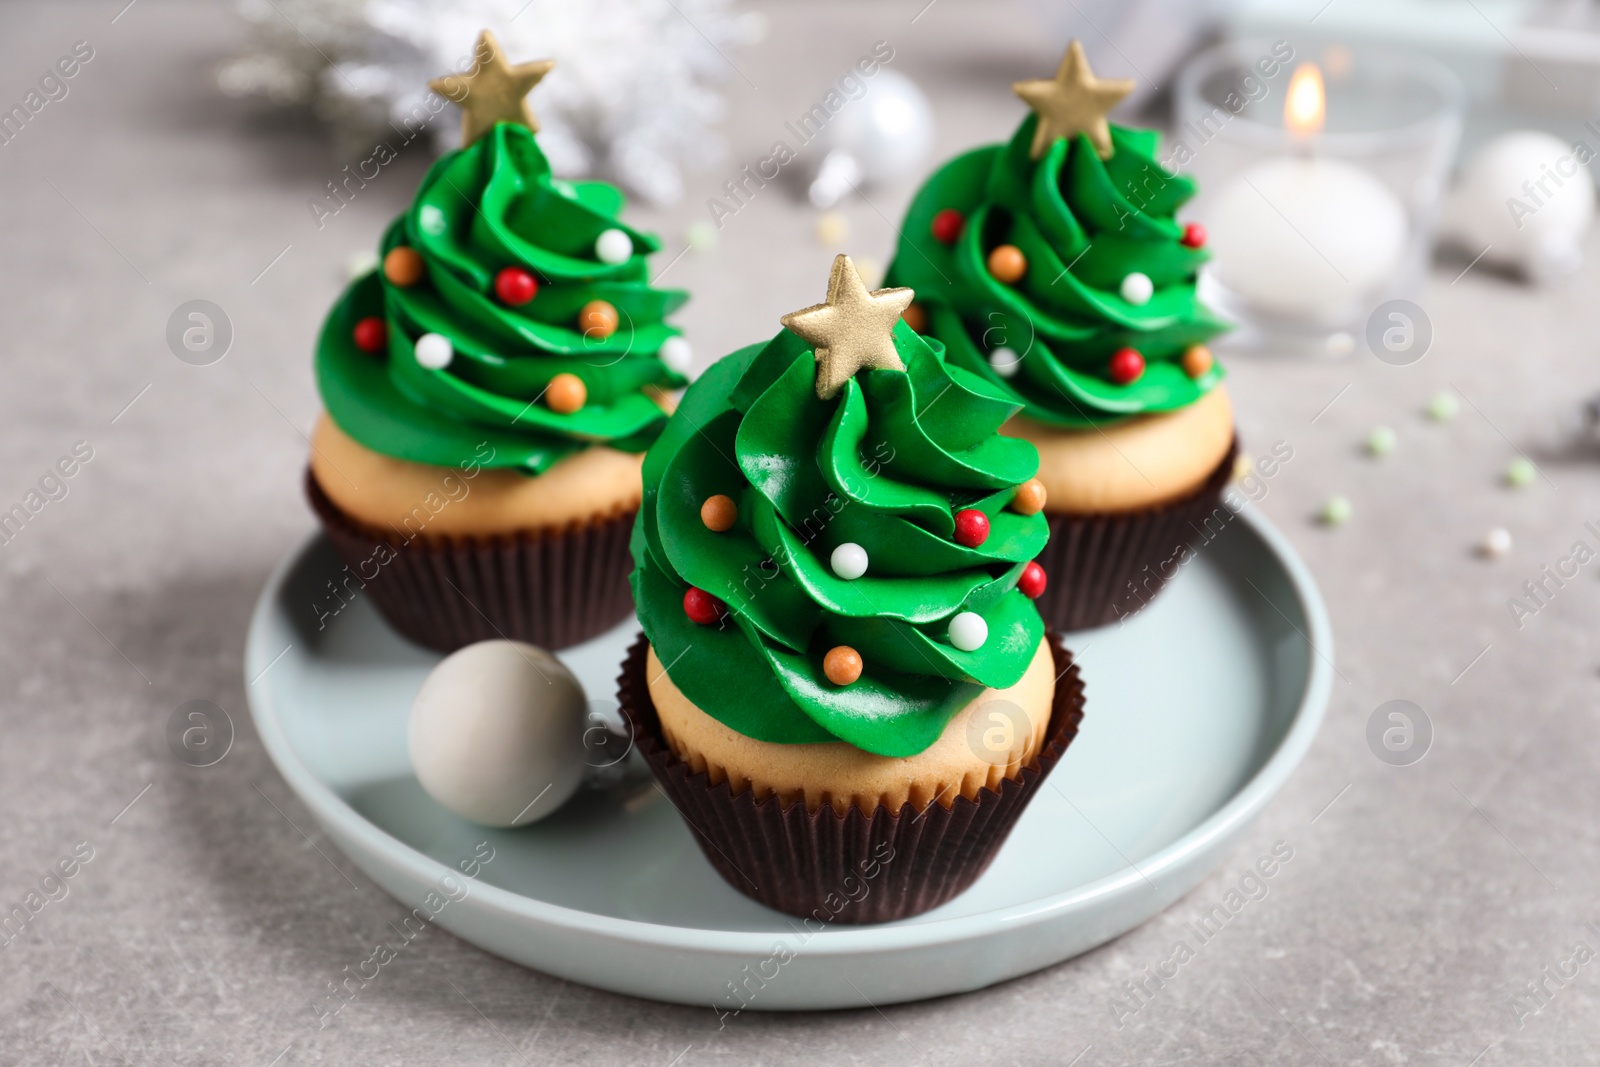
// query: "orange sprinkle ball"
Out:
[1008,264]
[566,393]
[1197,360]
[719,513]
[598,319]
[1029,498]
[842,665]
[916,317]
[402,266]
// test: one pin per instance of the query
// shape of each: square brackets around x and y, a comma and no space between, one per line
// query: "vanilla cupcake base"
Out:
[419,499]
[455,555]
[1104,568]
[1141,463]
[982,744]
[829,867]
[552,588]
[1124,503]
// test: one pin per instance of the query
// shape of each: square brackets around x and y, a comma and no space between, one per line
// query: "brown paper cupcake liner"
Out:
[850,868]
[1103,568]
[548,588]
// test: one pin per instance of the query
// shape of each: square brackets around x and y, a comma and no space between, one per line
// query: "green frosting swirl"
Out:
[491,205]
[1084,224]
[885,464]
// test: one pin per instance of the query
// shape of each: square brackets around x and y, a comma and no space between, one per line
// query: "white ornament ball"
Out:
[496,733]
[968,631]
[1497,542]
[1137,288]
[888,129]
[1526,197]
[613,246]
[676,354]
[882,136]
[849,561]
[435,351]
[1005,362]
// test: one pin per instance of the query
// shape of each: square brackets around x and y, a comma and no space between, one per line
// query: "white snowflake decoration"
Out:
[632,98]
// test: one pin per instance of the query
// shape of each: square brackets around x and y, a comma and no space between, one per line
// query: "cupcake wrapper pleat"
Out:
[850,868]
[1104,568]
[549,588]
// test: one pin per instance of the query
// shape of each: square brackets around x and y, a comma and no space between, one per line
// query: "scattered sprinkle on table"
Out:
[1380,442]
[701,236]
[1497,542]
[1521,472]
[832,228]
[1443,407]
[1336,511]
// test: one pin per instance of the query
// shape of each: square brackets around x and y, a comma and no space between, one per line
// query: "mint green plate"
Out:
[1198,710]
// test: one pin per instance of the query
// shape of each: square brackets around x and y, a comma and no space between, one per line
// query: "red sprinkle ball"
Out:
[1194,234]
[702,607]
[972,527]
[1032,581]
[515,286]
[371,334]
[1127,366]
[947,226]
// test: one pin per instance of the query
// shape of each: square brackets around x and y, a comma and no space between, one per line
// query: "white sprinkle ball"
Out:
[968,631]
[849,561]
[1005,362]
[1137,288]
[613,246]
[435,351]
[676,354]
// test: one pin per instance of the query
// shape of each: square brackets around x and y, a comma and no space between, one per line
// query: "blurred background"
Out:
[1424,129]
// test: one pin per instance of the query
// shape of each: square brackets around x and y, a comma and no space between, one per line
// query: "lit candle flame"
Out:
[1306,105]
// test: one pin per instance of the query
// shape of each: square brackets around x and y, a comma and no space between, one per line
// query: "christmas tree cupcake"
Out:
[1053,268]
[843,683]
[490,390]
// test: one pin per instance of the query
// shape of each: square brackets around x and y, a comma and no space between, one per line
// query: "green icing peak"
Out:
[485,207]
[1083,224]
[885,464]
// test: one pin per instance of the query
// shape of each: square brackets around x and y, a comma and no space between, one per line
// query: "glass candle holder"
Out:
[1320,182]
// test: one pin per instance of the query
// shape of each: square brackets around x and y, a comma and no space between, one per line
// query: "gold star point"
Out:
[1073,102]
[851,329]
[495,90]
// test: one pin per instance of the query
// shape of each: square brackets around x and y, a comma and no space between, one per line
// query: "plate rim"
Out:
[1245,803]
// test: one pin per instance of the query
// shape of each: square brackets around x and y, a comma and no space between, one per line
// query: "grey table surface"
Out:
[1421,900]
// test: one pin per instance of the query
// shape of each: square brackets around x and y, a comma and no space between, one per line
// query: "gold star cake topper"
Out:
[851,329]
[494,92]
[1073,102]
